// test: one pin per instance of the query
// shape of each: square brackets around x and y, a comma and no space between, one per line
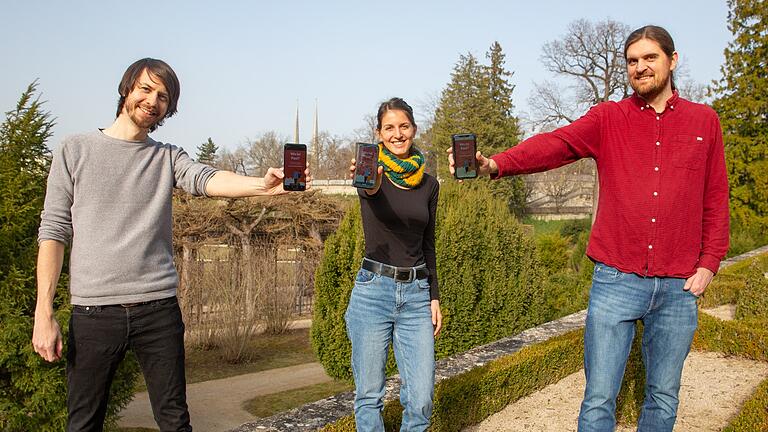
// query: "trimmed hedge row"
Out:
[468,398]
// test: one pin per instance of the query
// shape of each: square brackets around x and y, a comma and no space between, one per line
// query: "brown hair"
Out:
[157,69]
[657,34]
[395,103]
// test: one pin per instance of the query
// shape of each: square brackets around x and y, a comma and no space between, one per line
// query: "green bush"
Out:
[753,300]
[553,251]
[754,415]
[490,285]
[575,228]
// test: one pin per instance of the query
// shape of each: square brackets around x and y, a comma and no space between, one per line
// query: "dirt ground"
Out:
[713,389]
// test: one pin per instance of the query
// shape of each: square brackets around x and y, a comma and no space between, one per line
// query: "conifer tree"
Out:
[478,100]
[742,104]
[206,152]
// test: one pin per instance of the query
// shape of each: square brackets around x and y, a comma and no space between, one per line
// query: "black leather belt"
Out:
[400,274]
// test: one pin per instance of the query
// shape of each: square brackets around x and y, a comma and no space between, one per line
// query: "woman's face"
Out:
[397,133]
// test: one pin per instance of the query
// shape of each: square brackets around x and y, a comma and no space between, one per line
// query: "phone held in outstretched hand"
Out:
[366,166]
[464,149]
[294,165]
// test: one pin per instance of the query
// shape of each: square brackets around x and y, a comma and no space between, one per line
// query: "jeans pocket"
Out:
[423,283]
[85,311]
[364,277]
[606,274]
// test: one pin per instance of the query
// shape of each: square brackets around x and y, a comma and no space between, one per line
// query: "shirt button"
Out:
[656,168]
[653,220]
[658,143]
[657,117]
[650,246]
[655,194]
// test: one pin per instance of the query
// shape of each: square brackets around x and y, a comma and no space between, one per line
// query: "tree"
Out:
[206,152]
[743,108]
[591,57]
[32,392]
[264,152]
[479,100]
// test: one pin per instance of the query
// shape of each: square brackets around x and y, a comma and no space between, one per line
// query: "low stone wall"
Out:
[315,415]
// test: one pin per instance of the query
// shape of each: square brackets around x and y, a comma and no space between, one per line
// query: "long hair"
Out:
[657,34]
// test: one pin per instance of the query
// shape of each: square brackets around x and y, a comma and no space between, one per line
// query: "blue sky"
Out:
[244,64]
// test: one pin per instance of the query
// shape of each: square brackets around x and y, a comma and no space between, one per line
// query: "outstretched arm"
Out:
[46,336]
[230,185]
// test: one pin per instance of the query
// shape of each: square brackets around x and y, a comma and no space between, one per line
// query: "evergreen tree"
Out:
[206,152]
[479,100]
[32,391]
[743,108]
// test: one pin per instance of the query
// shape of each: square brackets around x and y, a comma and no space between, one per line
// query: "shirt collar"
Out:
[643,105]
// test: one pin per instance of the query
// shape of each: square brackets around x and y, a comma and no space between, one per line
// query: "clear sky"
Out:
[244,64]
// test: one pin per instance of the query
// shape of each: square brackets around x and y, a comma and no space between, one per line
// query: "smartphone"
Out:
[366,166]
[294,164]
[464,149]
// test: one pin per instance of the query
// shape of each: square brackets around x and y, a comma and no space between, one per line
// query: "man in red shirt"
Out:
[660,231]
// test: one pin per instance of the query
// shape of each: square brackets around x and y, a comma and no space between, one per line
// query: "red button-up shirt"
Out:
[663,202]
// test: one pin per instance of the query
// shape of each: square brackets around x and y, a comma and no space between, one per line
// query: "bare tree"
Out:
[591,57]
[264,152]
[335,154]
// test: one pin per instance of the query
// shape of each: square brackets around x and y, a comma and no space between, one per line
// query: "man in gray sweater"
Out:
[109,195]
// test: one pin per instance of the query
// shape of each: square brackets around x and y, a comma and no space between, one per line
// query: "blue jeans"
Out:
[381,311]
[669,315]
[99,337]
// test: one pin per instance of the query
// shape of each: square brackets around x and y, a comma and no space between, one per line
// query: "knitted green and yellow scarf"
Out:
[407,173]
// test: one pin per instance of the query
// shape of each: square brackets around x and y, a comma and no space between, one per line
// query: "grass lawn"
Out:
[267,405]
[542,227]
[269,352]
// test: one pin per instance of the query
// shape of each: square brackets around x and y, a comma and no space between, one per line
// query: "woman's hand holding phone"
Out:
[379,171]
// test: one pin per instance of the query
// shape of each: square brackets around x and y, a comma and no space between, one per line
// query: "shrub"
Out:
[490,284]
[575,228]
[553,252]
[753,300]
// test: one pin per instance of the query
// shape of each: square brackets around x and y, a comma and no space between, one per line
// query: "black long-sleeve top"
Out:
[399,226]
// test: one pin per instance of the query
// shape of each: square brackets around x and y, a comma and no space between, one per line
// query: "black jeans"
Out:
[99,337]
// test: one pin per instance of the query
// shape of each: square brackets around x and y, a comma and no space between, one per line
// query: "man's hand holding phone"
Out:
[273,181]
[485,166]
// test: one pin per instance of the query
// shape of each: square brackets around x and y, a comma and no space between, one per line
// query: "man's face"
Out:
[147,103]
[649,69]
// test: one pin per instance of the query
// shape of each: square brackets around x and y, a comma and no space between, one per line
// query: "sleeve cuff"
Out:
[709,262]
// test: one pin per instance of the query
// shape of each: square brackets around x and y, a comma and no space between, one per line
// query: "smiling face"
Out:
[397,132]
[650,69]
[147,103]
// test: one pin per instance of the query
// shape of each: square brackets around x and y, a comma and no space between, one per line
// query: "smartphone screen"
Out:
[366,165]
[294,163]
[464,149]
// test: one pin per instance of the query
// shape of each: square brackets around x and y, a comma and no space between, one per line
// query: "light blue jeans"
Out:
[669,315]
[381,311]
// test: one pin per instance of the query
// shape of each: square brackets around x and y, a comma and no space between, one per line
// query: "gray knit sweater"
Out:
[112,199]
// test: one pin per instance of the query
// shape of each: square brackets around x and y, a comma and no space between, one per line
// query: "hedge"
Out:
[490,282]
[468,398]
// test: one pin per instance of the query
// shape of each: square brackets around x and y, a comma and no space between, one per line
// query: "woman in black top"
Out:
[396,298]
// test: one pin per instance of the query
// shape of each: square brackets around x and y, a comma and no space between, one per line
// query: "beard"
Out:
[649,90]
[142,121]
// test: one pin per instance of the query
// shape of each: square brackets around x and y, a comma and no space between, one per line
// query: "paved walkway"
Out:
[217,405]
